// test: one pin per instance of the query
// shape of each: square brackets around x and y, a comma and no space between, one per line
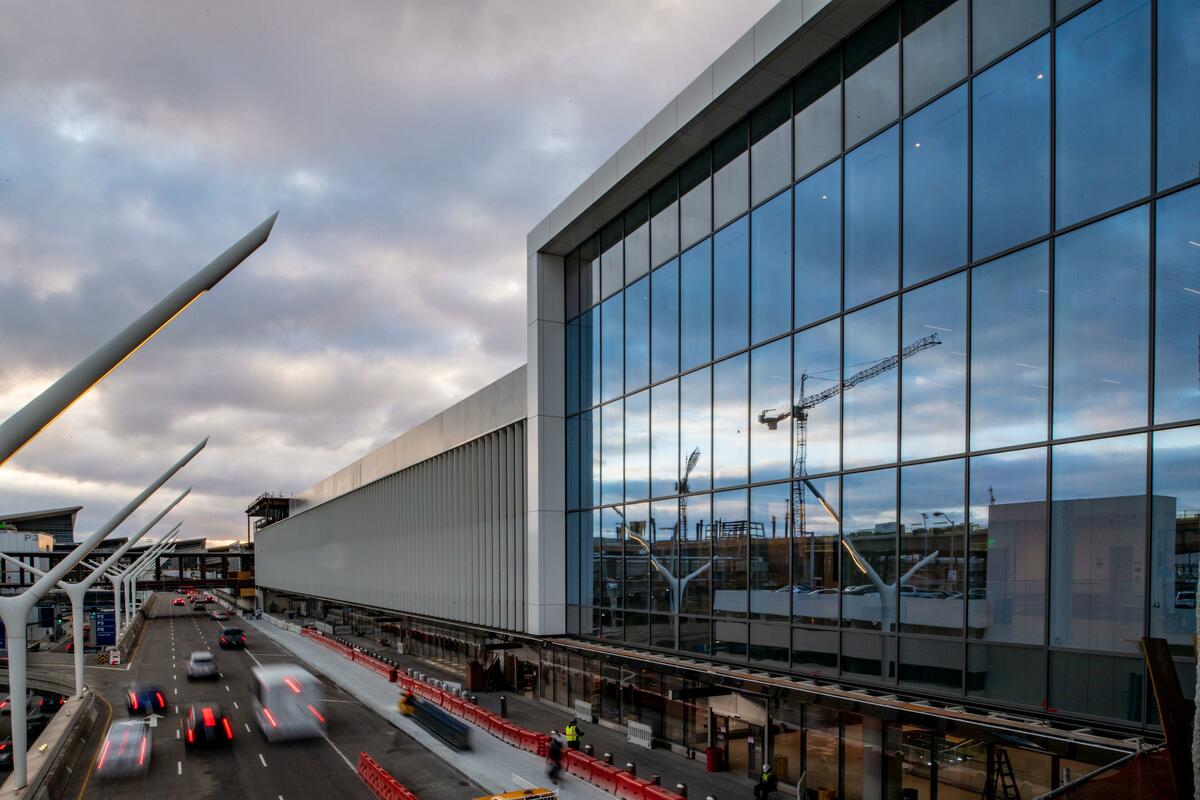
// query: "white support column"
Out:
[545,452]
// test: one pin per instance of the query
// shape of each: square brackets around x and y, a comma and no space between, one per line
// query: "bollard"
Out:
[474,700]
[588,749]
[656,780]
[608,758]
[503,706]
[681,790]
[631,767]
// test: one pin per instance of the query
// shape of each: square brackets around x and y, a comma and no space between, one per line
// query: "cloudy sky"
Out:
[409,147]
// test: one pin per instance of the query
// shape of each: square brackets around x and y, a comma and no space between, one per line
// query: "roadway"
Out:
[252,768]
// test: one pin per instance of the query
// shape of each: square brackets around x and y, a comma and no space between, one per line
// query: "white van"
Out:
[288,703]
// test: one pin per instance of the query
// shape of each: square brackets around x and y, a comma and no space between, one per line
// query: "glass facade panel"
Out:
[664,319]
[1006,587]
[935,187]
[612,452]
[695,431]
[1102,108]
[771,147]
[664,222]
[612,259]
[1177,307]
[818,358]
[931,663]
[872,82]
[770,396]
[1178,92]
[663,547]
[1008,674]
[695,306]
[933,548]
[610,559]
[1100,686]
[869,400]
[816,552]
[637,335]
[695,555]
[1101,308]
[731,175]
[872,219]
[1011,150]
[935,48]
[1000,25]
[589,436]
[572,364]
[769,565]
[637,446]
[730,533]
[731,420]
[817,651]
[664,439]
[1098,544]
[695,200]
[637,241]
[933,374]
[731,288]
[573,462]
[612,347]
[1010,325]
[589,350]
[869,550]
[1175,549]
[771,268]
[818,120]
[818,250]
[636,539]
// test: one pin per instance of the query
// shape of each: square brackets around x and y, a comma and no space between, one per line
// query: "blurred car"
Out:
[206,725]
[287,702]
[178,601]
[218,615]
[208,598]
[126,749]
[142,698]
[202,665]
[6,759]
[232,639]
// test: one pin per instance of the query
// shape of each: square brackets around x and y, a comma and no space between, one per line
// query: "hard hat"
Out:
[766,766]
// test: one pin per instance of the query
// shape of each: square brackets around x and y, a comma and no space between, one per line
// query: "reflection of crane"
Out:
[798,411]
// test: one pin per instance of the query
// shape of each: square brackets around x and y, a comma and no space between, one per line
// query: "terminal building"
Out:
[860,429]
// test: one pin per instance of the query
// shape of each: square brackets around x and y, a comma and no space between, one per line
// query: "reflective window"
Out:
[695,554]
[872,218]
[1103,686]
[869,549]
[637,446]
[695,306]
[637,241]
[612,346]
[589,353]
[1175,553]
[1102,107]
[933,369]
[817,651]
[1006,587]
[870,656]
[1098,543]
[935,48]
[572,366]
[589,437]
[573,455]
[636,541]
[817,99]
[817,372]
[589,273]
[1010,323]
[872,69]
[730,532]
[637,334]
[612,259]
[770,401]
[1100,325]
[664,316]
[935,187]
[731,417]
[769,645]
[1178,92]
[664,222]
[1000,25]
[695,200]
[695,431]
[818,270]
[1064,7]
[611,560]
[731,285]
[612,452]
[731,179]
[664,441]
[771,268]
[1177,310]
[590,532]
[571,290]
[816,551]
[1011,151]
[729,638]
[770,587]
[869,400]
[770,147]
[937,664]
[933,548]
[663,544]
[1011,674]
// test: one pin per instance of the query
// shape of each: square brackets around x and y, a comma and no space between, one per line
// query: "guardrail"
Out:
[381,781]
[65,739]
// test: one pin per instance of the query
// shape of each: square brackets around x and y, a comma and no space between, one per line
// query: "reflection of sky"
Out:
[934,378]
[730,421]
[1177,313]
[869,414]
[1102,468]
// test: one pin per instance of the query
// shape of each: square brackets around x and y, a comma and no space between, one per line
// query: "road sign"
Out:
[106,628]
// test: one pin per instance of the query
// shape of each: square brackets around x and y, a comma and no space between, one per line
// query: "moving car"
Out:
[218,615]
[208,598]
[126,749]
[201,665]
[287,703]
[232,639]
[178,601]
[142,698]
[206,725]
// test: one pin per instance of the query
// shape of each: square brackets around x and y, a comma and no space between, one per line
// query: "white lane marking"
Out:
[176,709]
[177,733]
[340,753]
[247,724]
[227,687]
[178,767]
[256,661]
[176,690]
[263,760]
[235,705]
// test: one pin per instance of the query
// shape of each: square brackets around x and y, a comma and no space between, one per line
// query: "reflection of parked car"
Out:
[864,589]
[1185,599]
[794,588]
[978,593]
[824,591]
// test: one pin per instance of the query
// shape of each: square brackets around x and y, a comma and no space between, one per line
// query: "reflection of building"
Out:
[825,260]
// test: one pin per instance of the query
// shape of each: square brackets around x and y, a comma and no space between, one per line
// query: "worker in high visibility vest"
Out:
[572,734]
[767,783]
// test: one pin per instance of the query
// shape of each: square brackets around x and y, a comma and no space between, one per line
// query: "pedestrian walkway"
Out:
[542,717]
[490,763]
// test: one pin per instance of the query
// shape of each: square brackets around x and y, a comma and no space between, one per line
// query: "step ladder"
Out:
[1001,783]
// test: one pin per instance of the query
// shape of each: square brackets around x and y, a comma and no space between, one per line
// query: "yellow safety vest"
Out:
[572,733]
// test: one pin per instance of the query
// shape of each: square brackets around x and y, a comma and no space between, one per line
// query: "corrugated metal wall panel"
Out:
[444,538]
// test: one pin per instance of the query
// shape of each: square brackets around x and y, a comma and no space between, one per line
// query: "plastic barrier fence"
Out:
[380,780]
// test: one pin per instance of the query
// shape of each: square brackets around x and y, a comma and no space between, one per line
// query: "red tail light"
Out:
[316,713]
[224,640]
[191,736]
[4,746]
[270,718]
[295,687]
[103,754]
[228,730]
[209,719]
[133,700]
[142,752]
[162,701]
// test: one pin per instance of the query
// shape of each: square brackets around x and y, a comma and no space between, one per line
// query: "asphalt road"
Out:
[252,768]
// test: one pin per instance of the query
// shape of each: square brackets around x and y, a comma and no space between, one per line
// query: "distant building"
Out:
[58,522]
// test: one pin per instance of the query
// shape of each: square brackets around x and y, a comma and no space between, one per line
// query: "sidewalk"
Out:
[490,763]
[542,717]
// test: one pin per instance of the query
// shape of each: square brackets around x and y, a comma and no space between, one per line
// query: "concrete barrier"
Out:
[59,751]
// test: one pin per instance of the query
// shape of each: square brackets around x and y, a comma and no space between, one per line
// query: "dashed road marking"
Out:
[247,724]
[263,760]
[235,705]
[227,687]
[177,733]
[176,690]
[178,767]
